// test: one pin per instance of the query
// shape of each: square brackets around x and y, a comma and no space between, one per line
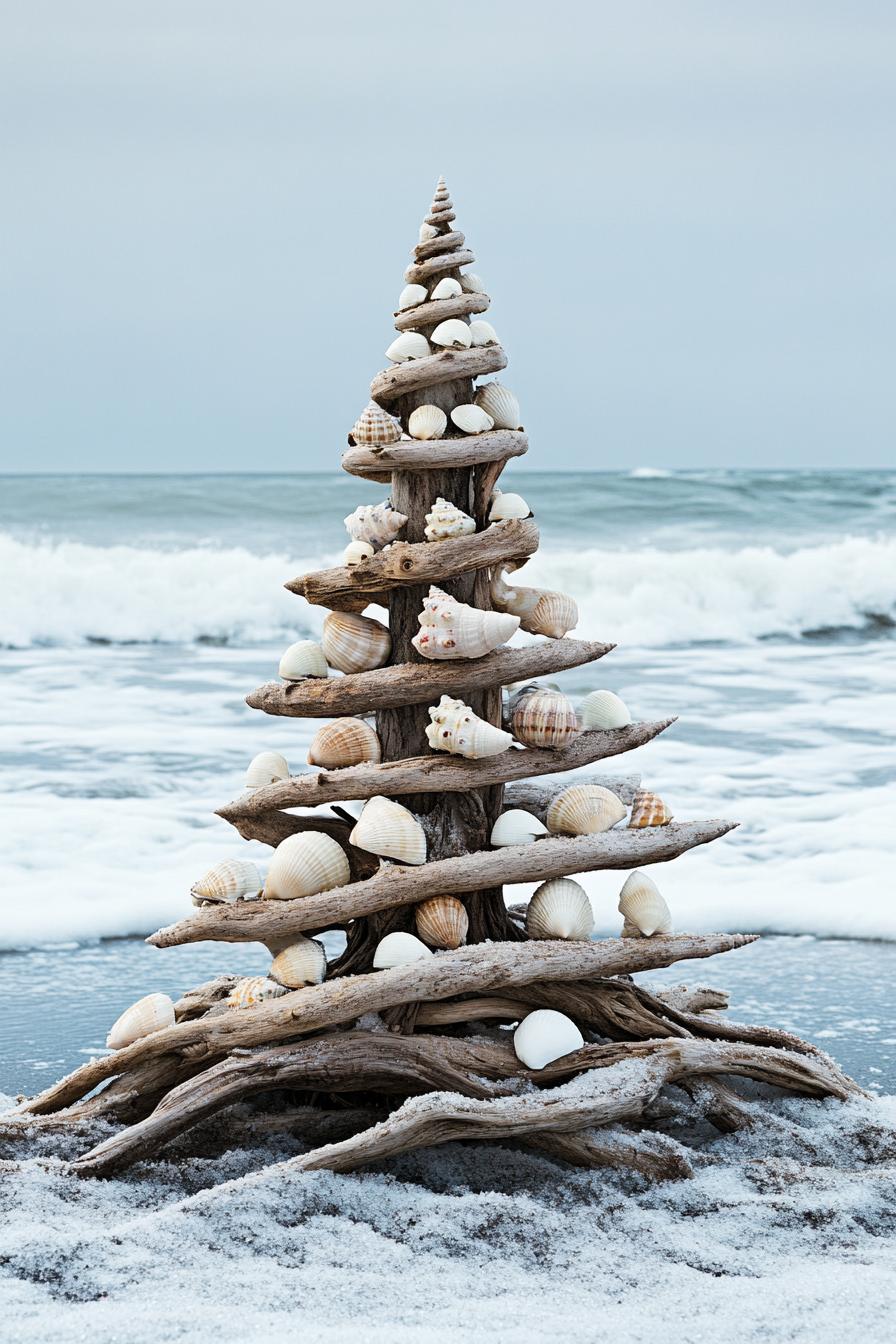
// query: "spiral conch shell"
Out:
[499,402]
[603,709]
[355,553]
[584,809]
[411,296]
[304,659]
[471,284]
[560,908]
[343,743]
[409,345]
[390,830]
[427,422]
[442,921]
[457,729]
[153,1013]
[304,962]
[644,909]
[355,643]
[444,520]
[544,1036]
[254,989]
[375,426]
[227,882]
[451,629]
[541,611]
[544,718]
[268,767]
[378,524]
[649,810]
[516,827]
[471,419]
[305,864]
[483,333]
[399,949]
[446,289]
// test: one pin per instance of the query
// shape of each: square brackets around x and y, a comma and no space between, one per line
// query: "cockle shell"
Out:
[507,506]
[584,809]
[354,553]
[645,911]
[390,830]
[378,524]
[453,334]
[544,1036]
[153,1013]
[411,296]
[427,422]
[343,743]
[446,289]
[483,333]
[444,520]
[471,419]
[303,963]
[500,403]
[442,921]
[457,729]
[399,949]
[471,284]
[516,827]
[227,882]
[409,345]
[544,718]
[305,864]
[268,767]
[541,611]
[603,709]
[428,231]
[375,426]
[354,643]
[304,659]
[451,629]
[560,908]
[649,810]
[254,989]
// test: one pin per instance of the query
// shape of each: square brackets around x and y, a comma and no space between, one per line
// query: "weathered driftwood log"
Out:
[439,310]
[719,1103]
[654,1156]
[377,463]
[421,273]
[271,828]
[447,367]
[443,243]
[537,798]
[421,683]
[481,1009]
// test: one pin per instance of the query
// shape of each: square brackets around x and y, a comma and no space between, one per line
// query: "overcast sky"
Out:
[683,213]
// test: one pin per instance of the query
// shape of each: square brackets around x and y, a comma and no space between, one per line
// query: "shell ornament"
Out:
[560,908]
[375,427]
[451,629]
[355,553]
[541,611]
[544,1036]
[509,505]
[471,284]
[355,643]
[268,767]
[544,718]
[304,659]
[305,864]
[304,962]
[399,949]
[603,709]
[516,827]
[444,520]
[584,809]
[254,989]
[229,881]
[390,830]
[411,296]
[377,524]
[457,729]
[409,345]
[427,422]
[452,334]
[446,289]
[471,419]
[154,1013]
[649,810]
[343,743]
[644,910]
[442,922]
[500,403]
[483,333]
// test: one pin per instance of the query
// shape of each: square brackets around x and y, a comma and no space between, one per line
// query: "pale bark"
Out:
[424,271]
[443,243]
[446,367]
[378,463]
[653,1156]
[440,310]
[537,798]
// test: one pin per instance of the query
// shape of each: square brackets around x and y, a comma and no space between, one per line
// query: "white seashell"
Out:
[648,810]
[442,921]
[343,743]
[584,809]
[304,659]
[471,284]
[560,908]
[500,403]
[603,709]
[451,629]
[227,882]
[428,231]
[304,865]
[354,643]
[516,827]
[375,426]
[304,962]
[268,767]
[444,520]
[483,333]
[354,553]
[544,718]
[409,345]
[427,422]
[457,729]
[390,830]
[446,289]
[542,611]
[544,1036]
[508,506]
[154,1013]
[254,989]
[471,419]
[454,334]
[399,949]
[378,524]
[645,911]
[411,296]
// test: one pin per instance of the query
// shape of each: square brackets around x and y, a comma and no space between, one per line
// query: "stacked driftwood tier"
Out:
[432,1064]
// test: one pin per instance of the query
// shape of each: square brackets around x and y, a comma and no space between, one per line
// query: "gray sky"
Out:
[683,213]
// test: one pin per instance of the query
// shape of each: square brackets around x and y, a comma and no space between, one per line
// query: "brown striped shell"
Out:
[649,810]
[375,426]
[343,743]
[442,921]
[545,718]
[354,643]
[252,990]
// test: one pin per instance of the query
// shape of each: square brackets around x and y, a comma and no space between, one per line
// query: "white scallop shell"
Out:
[542,611]
[411,296]
[390,830]
[444,520]
[500,403]
[560,908]
[483,333]
[399,949]
[154,1013]
[375,426]
[409,345]
[471,419]
[516,827]
[446,289]
[603,709]
[304,659]
[304,962]
[584,809]
[227,882]
[544,1036]
[343,743]
[451,629]
[378,524]
[508,506]
[254,989]
[453,334]
[427,422]
[457,729]
[268,767]
[471,284]
[354,643]
[428,231]
[305,864]
[645,911]
[354,554]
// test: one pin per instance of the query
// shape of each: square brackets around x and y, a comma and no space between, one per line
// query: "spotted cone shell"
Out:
[375,426]
[343,743]
[649,810]
[377,524]
[442,921]
[154,1013]
[444,520]
[584,809]
[457,729]
[451,629]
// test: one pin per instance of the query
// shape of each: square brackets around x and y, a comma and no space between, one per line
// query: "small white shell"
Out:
[584,809]
[471,284]
[268,767]
[354,643]
[454,334]
[508,506]
[304,962]
[227,882]
[344,743]
[304,659]
[354,553]
[390,830]
[471,419]
[427,422]
[603,709]
[500,403]
[409,345]
[378,524]
[375,426]
[254,989]
[645,911]
[446,289]
[444,520]
[450,629]
[516,827]
[483,333]
[544,1036]
[428,231]
[457,729]
[560,908]
[154,1013]
[304,865]
[411,296]
[399,949]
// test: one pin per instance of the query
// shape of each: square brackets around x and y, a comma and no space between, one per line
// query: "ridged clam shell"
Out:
[516,827]
[153,1013]
[399,949]
[508,506]
[541,611]
[428,231]
[411,296]
[451,629]
[427,422]
[409,345]
[603,709]
[305,864]
[375,426]
[268,767]
[390,830]
[649,810]
[457,729]
[453,334]
[584,809]
[645,911]
[445,520]
[378,524]
[303,963]
[500,403]
[304,659]
[471,284]
[228,881]
[483,333]
[442,921]
[343,743]
[471,419]
[254,989]
[545,718]
[446,289]
[354,554]
[354,643]
[544,1036]
[560,908]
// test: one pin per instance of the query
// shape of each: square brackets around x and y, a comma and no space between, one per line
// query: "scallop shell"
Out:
[471,419]
[375,426]
[411,296]
[457,729]
[428,231]
[649,810]
[446,289]
[354,554]
[544,718]
[560,908]
[354,643]
[516,827]
[153,1013]
[451,629]
[444,520]
[500,403]
[471,284]
[453,334]
[483,333]
[427,422]
[645,911]
[409,345]
[268,767]
[378,524]
[304,659]
[541,611]
[343,743]
[304,962]
[227,882]
[508,506]
[442,921]
[254,989]
[584,809]
[603,709]
[544,1036]
[305,864]
[399,949]
[390,830]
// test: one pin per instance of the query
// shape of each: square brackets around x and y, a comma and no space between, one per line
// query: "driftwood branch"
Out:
[377,464]
[424,271]
[537,798]
[425,314]
[654,1156]
[443,243]
[446,367]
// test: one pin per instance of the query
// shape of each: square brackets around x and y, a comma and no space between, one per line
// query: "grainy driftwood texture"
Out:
[440,311]
[448,367]
[377,463]
[434,268]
